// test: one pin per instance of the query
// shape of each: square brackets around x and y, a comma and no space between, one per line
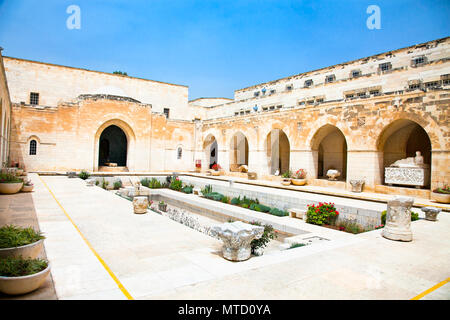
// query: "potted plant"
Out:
[27,186]
[20,242]
[20,276]
[286,178]
[162,206]
[299,177]
[216,167]
[441,195]
[10,183]
[198,165]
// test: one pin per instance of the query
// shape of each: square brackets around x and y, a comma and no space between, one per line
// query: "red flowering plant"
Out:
[299,174]
[198,163]
[216,167]
[323,213]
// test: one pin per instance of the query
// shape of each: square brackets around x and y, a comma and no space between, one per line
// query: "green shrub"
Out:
[18,267]
[323,213]
[207,189]
[145,182]
[269,234]
[351,227]
[13,236]
[236,201]
[105,184]
[225,199]
[287,174]
[9,178]
[215,196]
[188,189]
[97,182]
[414,216]
[297,245]
[175,184]
[117,185]
[84,174]
[278,212]
[259,207]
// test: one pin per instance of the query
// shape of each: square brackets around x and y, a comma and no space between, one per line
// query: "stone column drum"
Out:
[236,237]
[140,204]
[398,219]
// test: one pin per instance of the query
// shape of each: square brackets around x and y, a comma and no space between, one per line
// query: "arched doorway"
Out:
[238,151]
[278,152]
[402,139]
[211,151]
[331,147]
[113,147]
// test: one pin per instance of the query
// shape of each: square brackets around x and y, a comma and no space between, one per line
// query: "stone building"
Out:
[5,115]
[357,117]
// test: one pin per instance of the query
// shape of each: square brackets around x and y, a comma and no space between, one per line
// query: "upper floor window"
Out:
[289,87]
[445,79]
[179,153]
[356,73]
[256,94]
[418,61]
[166,112]
[33,147]
[308,83]
[272,91]
[330,78]
[34,98]
[385,66]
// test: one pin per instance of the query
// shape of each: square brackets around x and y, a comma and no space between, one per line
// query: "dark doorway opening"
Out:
[113,147]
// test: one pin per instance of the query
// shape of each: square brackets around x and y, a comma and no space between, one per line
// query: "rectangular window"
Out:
[419,61]
[272,91]
[375,92]
[34,98]
[356,73]
[308,83]
[166,112]
[330,78]
[289,87]
[432,84]
[385,66]
[256,94]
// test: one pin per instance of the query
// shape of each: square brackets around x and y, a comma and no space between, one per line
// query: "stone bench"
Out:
[297,213]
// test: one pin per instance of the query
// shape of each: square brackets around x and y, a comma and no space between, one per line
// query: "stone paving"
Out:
[153,257]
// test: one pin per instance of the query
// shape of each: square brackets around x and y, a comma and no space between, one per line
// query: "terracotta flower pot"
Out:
[440,197]
[10,188]
[25,284]
[27,188]
[298,182]
[30,251]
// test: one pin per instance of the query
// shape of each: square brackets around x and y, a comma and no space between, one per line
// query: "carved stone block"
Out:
[407,176]
[236,237]
[140,205]
[398,219]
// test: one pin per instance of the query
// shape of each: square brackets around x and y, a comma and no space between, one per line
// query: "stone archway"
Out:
[402,139]
[331,146]
[118,144]
[277,152]
[113,147]
[211,149]
[238,151]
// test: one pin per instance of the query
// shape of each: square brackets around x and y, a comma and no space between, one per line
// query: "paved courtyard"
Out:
[99,249]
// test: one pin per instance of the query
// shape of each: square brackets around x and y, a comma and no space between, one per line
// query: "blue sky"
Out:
[214,47]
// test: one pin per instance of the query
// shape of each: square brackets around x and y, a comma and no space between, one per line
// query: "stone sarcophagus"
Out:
[418,177]
[410,171]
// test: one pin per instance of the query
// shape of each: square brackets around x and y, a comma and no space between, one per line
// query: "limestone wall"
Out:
[68,135]
[56,84]
[5,113]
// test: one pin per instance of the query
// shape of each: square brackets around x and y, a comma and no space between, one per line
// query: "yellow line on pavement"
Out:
[423,294]
[113,276]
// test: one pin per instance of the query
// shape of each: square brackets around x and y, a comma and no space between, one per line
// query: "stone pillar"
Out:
[398,219]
